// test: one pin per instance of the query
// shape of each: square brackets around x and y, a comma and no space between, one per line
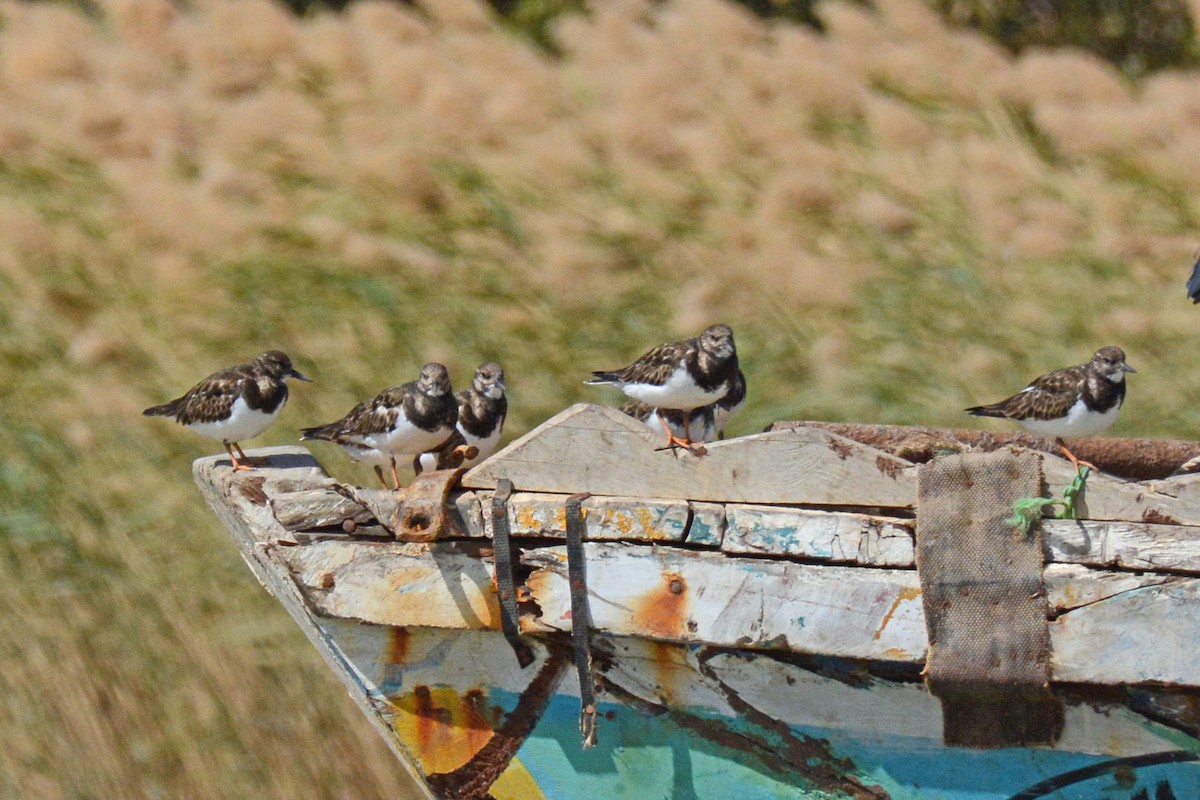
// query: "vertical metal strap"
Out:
[505,583]
[581,619]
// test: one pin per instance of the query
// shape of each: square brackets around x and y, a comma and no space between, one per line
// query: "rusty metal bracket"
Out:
[421,516]
[581,619]
[505,581]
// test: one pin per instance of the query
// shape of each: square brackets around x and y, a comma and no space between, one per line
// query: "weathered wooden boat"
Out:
[815,611]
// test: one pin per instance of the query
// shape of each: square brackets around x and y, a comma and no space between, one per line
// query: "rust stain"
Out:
[1155,516]
[398,646]
[841,449]
[663,610]
[908,593]
[445,729]
[252,490]
[888,466]
[666,664]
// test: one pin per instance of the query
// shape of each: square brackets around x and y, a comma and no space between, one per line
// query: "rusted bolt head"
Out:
[676,586]
[327,580]
[349,526]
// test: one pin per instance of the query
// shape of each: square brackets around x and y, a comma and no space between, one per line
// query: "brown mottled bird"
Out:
[1076,401]
[401,420]
[234,404]
[680,376]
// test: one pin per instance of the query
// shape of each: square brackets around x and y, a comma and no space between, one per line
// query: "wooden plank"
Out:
[308,509]
[1108,498]
[1123,545]
[1071,586]
[438,585]
[599,450]
[890,713]
[1143,635]
[1132,459]
[694,596]
[539,514]
[828,536]
[240,501]
[708,524]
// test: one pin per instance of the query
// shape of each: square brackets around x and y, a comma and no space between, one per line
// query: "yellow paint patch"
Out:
[908,593]
[442,728]
[516,783]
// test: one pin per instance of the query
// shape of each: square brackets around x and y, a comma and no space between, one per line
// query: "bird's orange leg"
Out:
[395,477]
[237,464]
[672,439]
[1076,462]
[256,461]
[379,472]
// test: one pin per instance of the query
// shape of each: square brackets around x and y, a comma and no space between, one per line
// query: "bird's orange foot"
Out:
[1078,463]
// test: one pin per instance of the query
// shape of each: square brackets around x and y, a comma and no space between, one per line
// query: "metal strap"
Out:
[505,582]
[581,619]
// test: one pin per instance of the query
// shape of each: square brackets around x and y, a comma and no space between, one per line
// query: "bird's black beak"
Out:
[298,376]
[1127,368]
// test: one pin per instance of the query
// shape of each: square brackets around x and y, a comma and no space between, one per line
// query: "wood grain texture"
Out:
[828,536]
[694,596]
[1123,545]
[595,449]
[240,501]
[1146,634]
[437,585]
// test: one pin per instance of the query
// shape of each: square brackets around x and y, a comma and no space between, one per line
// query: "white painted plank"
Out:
[595,449]
[438,585]
[1071,586]
[829,536]
[240,501]
[1123,545]
[1108,498]
[539,514]
[882,712]
[708,524]
[694,596]
[1146,634]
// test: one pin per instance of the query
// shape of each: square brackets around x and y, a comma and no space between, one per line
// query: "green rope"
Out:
[1028,510]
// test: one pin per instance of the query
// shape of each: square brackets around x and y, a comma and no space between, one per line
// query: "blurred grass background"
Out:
[898,217]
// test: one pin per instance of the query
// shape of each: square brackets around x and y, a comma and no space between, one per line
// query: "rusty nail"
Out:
[327,580]
[676,586]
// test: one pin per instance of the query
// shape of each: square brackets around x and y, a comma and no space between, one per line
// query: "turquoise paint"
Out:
[642,756]
[708,525]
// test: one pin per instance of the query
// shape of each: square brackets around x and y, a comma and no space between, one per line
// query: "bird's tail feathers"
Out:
[602,377]
[170,409]
[320,433]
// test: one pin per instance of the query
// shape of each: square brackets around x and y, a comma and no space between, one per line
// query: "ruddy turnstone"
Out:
[1193,284]
[1070,402]
[234,404]
[730,404]
[680,375]
[701,422]
[481,412]
[402,420]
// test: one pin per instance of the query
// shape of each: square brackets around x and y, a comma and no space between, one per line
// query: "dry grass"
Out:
[898,220]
